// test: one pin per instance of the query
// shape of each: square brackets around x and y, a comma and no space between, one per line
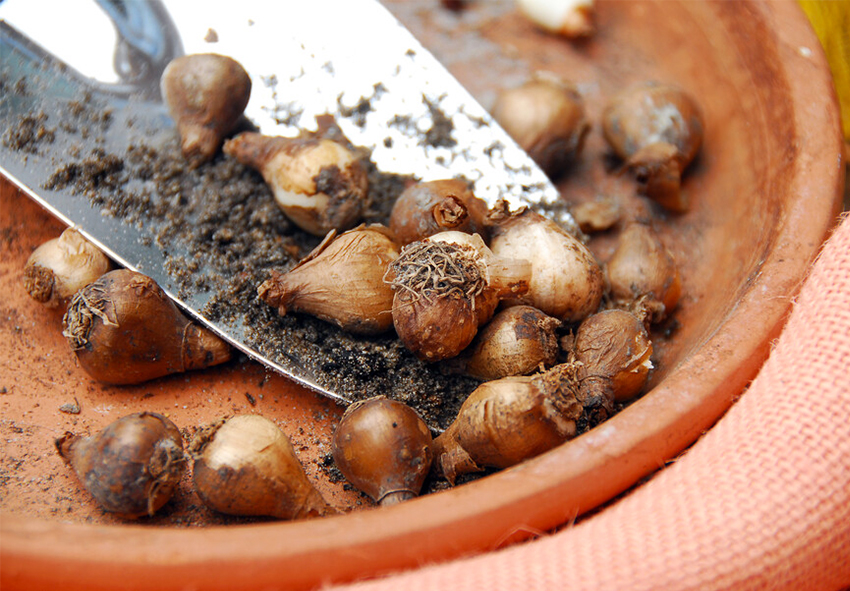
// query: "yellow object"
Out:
[831,22]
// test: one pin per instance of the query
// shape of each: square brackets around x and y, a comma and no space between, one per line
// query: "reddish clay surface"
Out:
[40,374]
[765,191]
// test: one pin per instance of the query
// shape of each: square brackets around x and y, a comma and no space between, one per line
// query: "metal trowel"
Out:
[349,58]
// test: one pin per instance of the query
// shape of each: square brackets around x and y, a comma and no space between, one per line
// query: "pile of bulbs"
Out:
[508,297]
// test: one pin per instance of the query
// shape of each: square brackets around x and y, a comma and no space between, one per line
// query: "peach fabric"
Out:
[762,501]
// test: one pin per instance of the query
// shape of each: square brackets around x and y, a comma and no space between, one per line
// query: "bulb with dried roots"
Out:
[446,286]
[613,354]
[60,267]
[125,330]
[506,421]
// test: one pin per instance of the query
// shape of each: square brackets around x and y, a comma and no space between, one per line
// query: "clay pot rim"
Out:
[471,518]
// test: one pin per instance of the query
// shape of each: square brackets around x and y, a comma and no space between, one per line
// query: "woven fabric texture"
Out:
[762,501]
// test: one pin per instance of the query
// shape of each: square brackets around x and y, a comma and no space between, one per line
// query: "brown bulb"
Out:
[341,281]
[566,281]
[318,183]
[642,268]
[598,215]
[125,330]
[547,119]
[247,466]
[505,277]
[436,328]
[426,208]
[131,467]
[658,130]
[206,95]
[444,286]
[60,267]
[517,341]
[384,449]
[615,351]
[506,421]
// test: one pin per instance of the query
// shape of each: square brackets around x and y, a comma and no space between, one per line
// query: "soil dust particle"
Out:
[362,108]
[328,468]
[71,408]
[18,87]
[28,132]
[222,234]
[87,117]
[439,135]
[100,170]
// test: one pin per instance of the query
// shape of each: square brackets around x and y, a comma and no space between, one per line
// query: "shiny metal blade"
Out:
[350,58]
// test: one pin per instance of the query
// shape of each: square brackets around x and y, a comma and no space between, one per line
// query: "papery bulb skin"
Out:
[246,465]
[60,267]
[427,208]
[517,341]
[436,329]
[507,421]
[597,215]
[445,287]
[643,271]
[658,130]
[319,183]
[125,330]
[206,95]
[384,449]
[614,346]
[341,281]
[132,466]
[546,117]
[566,281]
[506,277]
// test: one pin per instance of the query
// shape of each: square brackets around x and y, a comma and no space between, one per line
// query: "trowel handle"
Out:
[147,41]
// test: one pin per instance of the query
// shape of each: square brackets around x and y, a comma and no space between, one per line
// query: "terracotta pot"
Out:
[765,191]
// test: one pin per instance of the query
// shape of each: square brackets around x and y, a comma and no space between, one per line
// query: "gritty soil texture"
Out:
[223,213]
[225,216]
[222,234]
[221,219]
[44,393]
